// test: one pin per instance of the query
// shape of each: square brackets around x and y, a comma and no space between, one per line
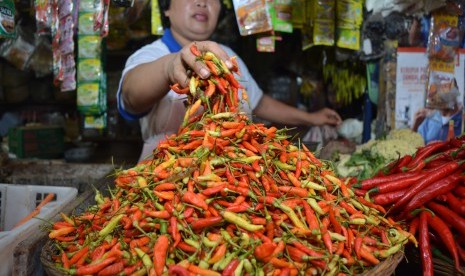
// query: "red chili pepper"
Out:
[452,218]
[371,183]
[439,187]
[177,270]
[113,269]
[264,250]
[459,191]
[229,269]
[175,88]
[455,204]
[94,268]
[388,198]
[396,185]
[425,246]
[445,234]
[413,226]
[335,223]
[425,151]
[195,51]
[203,223]
[194,199]
[433,176]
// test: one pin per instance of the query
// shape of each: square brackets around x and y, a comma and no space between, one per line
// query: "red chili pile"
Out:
[226,196]
[427,191]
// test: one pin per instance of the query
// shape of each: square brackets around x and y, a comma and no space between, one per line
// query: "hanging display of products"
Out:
[349,19]
[91,90]
[319,26]
[281,15]
[445,36]
[64,66]
[252,16]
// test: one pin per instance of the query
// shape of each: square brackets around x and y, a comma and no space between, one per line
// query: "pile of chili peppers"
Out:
[225,196]
[427,190]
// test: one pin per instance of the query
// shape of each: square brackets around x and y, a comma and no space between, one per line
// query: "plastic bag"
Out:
[18,51]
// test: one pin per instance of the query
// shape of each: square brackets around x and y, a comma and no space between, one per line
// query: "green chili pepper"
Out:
[312,202]
[336,236]
[238,270]
[249,159]
[223,115]
[98,197]
[291,214]
[248,266]
[284,166]
[145,258]
[192,243]
[110,226]
[242,223]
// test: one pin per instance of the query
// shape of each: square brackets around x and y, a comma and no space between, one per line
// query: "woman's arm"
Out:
[147,83]
[278,112]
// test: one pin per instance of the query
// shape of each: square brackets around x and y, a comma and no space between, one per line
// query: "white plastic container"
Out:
[16,202]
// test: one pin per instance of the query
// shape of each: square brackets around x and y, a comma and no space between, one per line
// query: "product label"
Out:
[7,19]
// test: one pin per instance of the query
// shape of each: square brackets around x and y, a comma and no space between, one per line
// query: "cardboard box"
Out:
[36,141]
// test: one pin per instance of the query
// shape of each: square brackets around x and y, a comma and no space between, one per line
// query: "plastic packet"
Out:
[7,19]
[266,44]
[281,16]
[41,61]
[43,10]
[445,36]
[156,25]
[18,51]
[89,46]
[252,16]
[89,69]
[442,90]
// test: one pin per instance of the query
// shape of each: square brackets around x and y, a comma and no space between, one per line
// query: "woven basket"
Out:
[441,267]
[385,268]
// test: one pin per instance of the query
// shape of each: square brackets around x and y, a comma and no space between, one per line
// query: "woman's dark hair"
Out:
[165,5]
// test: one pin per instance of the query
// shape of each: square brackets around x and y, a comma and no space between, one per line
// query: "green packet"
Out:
[89,46]
[95,121]
[7,19]
[89,69]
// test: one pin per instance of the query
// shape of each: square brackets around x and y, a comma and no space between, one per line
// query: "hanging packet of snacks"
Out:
[101,17]
[7,19]
[298,14]
[156,26]
[281,15]
[319,24]
[444,37]
[442,90]
[66,19]
[18,50]
[43,10]
[349,20]
[446,32]
[266,44]
[252,16]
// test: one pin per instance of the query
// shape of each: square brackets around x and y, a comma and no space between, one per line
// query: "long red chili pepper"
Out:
[425,247]
[445,234]
[439,187]
[452,218]
[371,183]
[455,204]
[396,185]
[426,151]
[388,198]
[439,173]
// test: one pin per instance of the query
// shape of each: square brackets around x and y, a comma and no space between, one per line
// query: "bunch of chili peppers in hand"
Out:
[225,196]
[428,191]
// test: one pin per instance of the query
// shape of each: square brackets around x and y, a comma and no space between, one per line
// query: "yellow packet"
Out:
[157,27]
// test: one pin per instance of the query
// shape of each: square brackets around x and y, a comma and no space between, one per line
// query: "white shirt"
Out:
[166,116]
